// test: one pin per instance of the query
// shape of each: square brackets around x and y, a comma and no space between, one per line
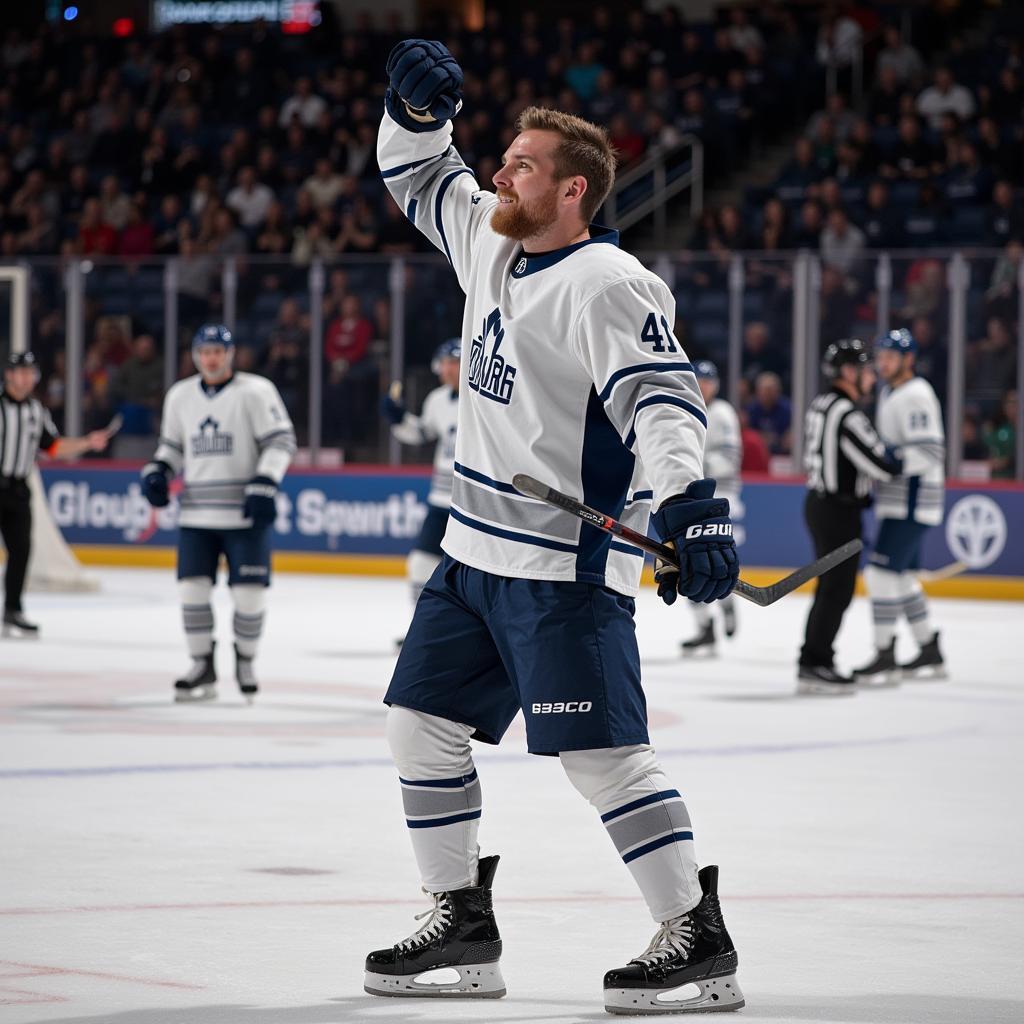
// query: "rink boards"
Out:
[364,520]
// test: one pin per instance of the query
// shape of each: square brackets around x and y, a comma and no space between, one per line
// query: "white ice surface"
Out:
[224,864]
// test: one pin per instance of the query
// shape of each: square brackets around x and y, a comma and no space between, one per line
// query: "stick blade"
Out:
[530,487]
[765,596]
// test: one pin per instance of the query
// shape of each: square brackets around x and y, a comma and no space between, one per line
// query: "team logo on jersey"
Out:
[521,266]
[211,440]
[489,374]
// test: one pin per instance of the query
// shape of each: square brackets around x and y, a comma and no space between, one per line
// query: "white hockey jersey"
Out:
[437,421]
[570,373]
[723,450]
[909,419]
[220,438]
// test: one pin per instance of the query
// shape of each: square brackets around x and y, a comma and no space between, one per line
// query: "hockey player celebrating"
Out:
[230,436]
[723,453]
[572,375]
[436,422]
[909,420]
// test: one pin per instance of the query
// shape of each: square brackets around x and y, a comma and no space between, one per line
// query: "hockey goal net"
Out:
[52,564]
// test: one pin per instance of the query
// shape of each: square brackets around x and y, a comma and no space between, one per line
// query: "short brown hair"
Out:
[584,150]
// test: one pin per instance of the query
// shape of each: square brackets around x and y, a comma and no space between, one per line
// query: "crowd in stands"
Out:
[208,145]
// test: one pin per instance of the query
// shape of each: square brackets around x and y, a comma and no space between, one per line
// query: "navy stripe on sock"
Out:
[440,822]
[657,844]
[654,798]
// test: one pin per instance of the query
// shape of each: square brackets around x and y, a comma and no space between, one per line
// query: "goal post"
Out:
[52,564]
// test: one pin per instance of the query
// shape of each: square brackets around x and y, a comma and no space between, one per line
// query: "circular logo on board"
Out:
[976,531]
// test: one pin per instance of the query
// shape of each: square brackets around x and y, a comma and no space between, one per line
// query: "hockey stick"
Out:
[762,596]
[113,426]
[943,572]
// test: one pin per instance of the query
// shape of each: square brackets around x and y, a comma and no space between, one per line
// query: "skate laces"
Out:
[672,937]
[439,916]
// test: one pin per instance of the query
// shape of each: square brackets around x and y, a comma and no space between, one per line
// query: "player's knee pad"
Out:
[249,599]
[195,590]
[420,566]
[883,584]
[601,776]
[427,747]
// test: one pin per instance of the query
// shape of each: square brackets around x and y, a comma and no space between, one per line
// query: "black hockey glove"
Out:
[426,85]
[697,524]
[260,505]
[394,412]
[155,486]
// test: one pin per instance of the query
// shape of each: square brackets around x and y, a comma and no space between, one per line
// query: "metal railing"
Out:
[664,185]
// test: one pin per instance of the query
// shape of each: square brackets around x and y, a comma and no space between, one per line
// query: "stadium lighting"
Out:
[70,13]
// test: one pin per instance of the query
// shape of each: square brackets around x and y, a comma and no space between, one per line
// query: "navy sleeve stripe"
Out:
[274,433]
[520,538]
[171,444]
[680,403]
[641,496]
[410,211]
[628,371]
[472,474]
[392,172]
[627,549]
[442,190]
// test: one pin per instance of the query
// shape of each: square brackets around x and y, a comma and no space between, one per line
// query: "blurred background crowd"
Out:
[839,129]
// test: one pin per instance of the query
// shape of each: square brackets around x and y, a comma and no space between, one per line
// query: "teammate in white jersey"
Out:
[573,376]
[437,421]
[909,420]
[723,455]
[231,438]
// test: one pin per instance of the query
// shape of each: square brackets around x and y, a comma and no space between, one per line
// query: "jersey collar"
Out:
[211,390]
[531,263]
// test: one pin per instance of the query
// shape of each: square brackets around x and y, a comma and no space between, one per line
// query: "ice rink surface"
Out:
[225,864]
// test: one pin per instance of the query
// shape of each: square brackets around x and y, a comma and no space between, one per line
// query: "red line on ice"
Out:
[38,970]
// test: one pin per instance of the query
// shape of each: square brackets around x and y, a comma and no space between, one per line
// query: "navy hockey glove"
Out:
[426,85]
[260,505]
[155,487]
[697,524]
[391,408]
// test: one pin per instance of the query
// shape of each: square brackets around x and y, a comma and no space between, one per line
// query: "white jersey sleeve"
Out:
[723,451]
[438,192]
[170,447]
[644,380]
[272,428]
[910,420]
[438,422]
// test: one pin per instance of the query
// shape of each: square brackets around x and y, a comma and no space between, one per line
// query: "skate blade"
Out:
[880,680]
[700,652]
[929,674]
[705,996]
[196,696]
[474,981]
[17,633]
[817,688]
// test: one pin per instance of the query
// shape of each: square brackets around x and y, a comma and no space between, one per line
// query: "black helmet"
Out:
[16,359]
[845,352]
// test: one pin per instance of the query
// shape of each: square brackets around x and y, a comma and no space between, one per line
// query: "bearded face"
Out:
[517,218]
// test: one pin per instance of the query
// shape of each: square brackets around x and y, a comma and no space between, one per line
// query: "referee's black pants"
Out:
[832,522]
[16,530]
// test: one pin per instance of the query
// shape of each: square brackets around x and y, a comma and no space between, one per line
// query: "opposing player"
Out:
[909,420]
[723,454]
[573,376]
[437,421]
[230,436]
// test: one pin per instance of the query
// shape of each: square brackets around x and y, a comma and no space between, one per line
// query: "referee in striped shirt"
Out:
[25,428]
[842,456]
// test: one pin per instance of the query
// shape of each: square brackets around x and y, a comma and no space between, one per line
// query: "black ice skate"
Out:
[460,935]
[702,645]
[882,670]
[247,685]
[928,664]
[692,953]
[823,679]
[15,624]
[198,683]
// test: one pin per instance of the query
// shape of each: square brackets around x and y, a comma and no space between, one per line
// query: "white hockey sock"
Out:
[886,594]
[646,819]
[250,601]
[419,567]
[702,613]
[197,613]
[440,794]
[915,607]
